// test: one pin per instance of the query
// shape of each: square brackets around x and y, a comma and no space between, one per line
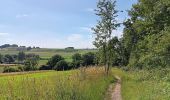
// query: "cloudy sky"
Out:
[52,23]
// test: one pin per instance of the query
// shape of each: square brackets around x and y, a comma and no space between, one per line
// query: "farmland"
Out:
[46,54]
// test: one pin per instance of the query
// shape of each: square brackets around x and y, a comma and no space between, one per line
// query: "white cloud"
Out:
[75,37]
[4,34]
[22,15]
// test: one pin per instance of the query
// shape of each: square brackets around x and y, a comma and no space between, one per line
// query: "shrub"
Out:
[88,59]
[77,60]
[8,70]
[71,65]
[30,64]
[54,60]
[45,67]
[61,65]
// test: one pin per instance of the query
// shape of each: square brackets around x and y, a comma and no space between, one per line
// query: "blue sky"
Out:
[52,23]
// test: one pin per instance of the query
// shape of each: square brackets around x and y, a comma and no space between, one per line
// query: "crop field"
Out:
[83,84]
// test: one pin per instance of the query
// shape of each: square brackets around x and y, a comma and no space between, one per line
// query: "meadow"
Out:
[144,84]
[83,84]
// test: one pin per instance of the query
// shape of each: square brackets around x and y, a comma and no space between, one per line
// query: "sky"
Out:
[53,23]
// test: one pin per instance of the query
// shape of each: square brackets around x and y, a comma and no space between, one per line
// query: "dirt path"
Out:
[116,94]
[114,91]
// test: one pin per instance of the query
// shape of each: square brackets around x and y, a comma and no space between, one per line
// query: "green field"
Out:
[85,84]
[90,84]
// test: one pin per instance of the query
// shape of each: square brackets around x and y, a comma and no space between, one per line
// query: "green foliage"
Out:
[54,60]
[61,66]
[88,59]
[77,60]
[8,58]
[31,64]
[146,34]
[1,58]
[21,56]
[103,30]
[10,69]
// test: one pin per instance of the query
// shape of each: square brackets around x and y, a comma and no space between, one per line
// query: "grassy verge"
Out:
[145,85]
[84,84]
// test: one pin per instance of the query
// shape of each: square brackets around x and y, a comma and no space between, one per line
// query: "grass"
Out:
[83,84]
[145,85]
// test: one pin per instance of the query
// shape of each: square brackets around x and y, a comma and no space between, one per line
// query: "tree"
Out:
[61,65]
[31,64]
[53,61]
[103,30]
[32,55]
[88,59]
[1,58]
[8,58]
[146,35]
[77,60]
[21,56]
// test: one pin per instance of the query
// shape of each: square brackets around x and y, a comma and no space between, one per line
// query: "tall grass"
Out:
[145,84]
[83,84]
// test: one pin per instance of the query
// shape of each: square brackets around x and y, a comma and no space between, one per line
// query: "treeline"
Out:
[57,62]
[147,34]
[19,48]
[146,39]
[16,58]
[25,62]
[29,62]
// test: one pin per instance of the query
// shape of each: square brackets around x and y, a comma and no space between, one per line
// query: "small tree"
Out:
[103,30]
[53,61]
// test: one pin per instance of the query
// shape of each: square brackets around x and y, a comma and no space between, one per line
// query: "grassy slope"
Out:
[145,85]
[70,85]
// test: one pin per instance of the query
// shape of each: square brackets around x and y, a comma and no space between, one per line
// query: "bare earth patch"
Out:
[114,91]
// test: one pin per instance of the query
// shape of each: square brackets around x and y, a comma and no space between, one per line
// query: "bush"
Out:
[45,67]
[8,70]
[30,64]
[88,59]
[54,60]
[61,65]
[71,65]
[77,60]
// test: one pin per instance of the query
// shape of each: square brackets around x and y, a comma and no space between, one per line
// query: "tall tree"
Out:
[103,30]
